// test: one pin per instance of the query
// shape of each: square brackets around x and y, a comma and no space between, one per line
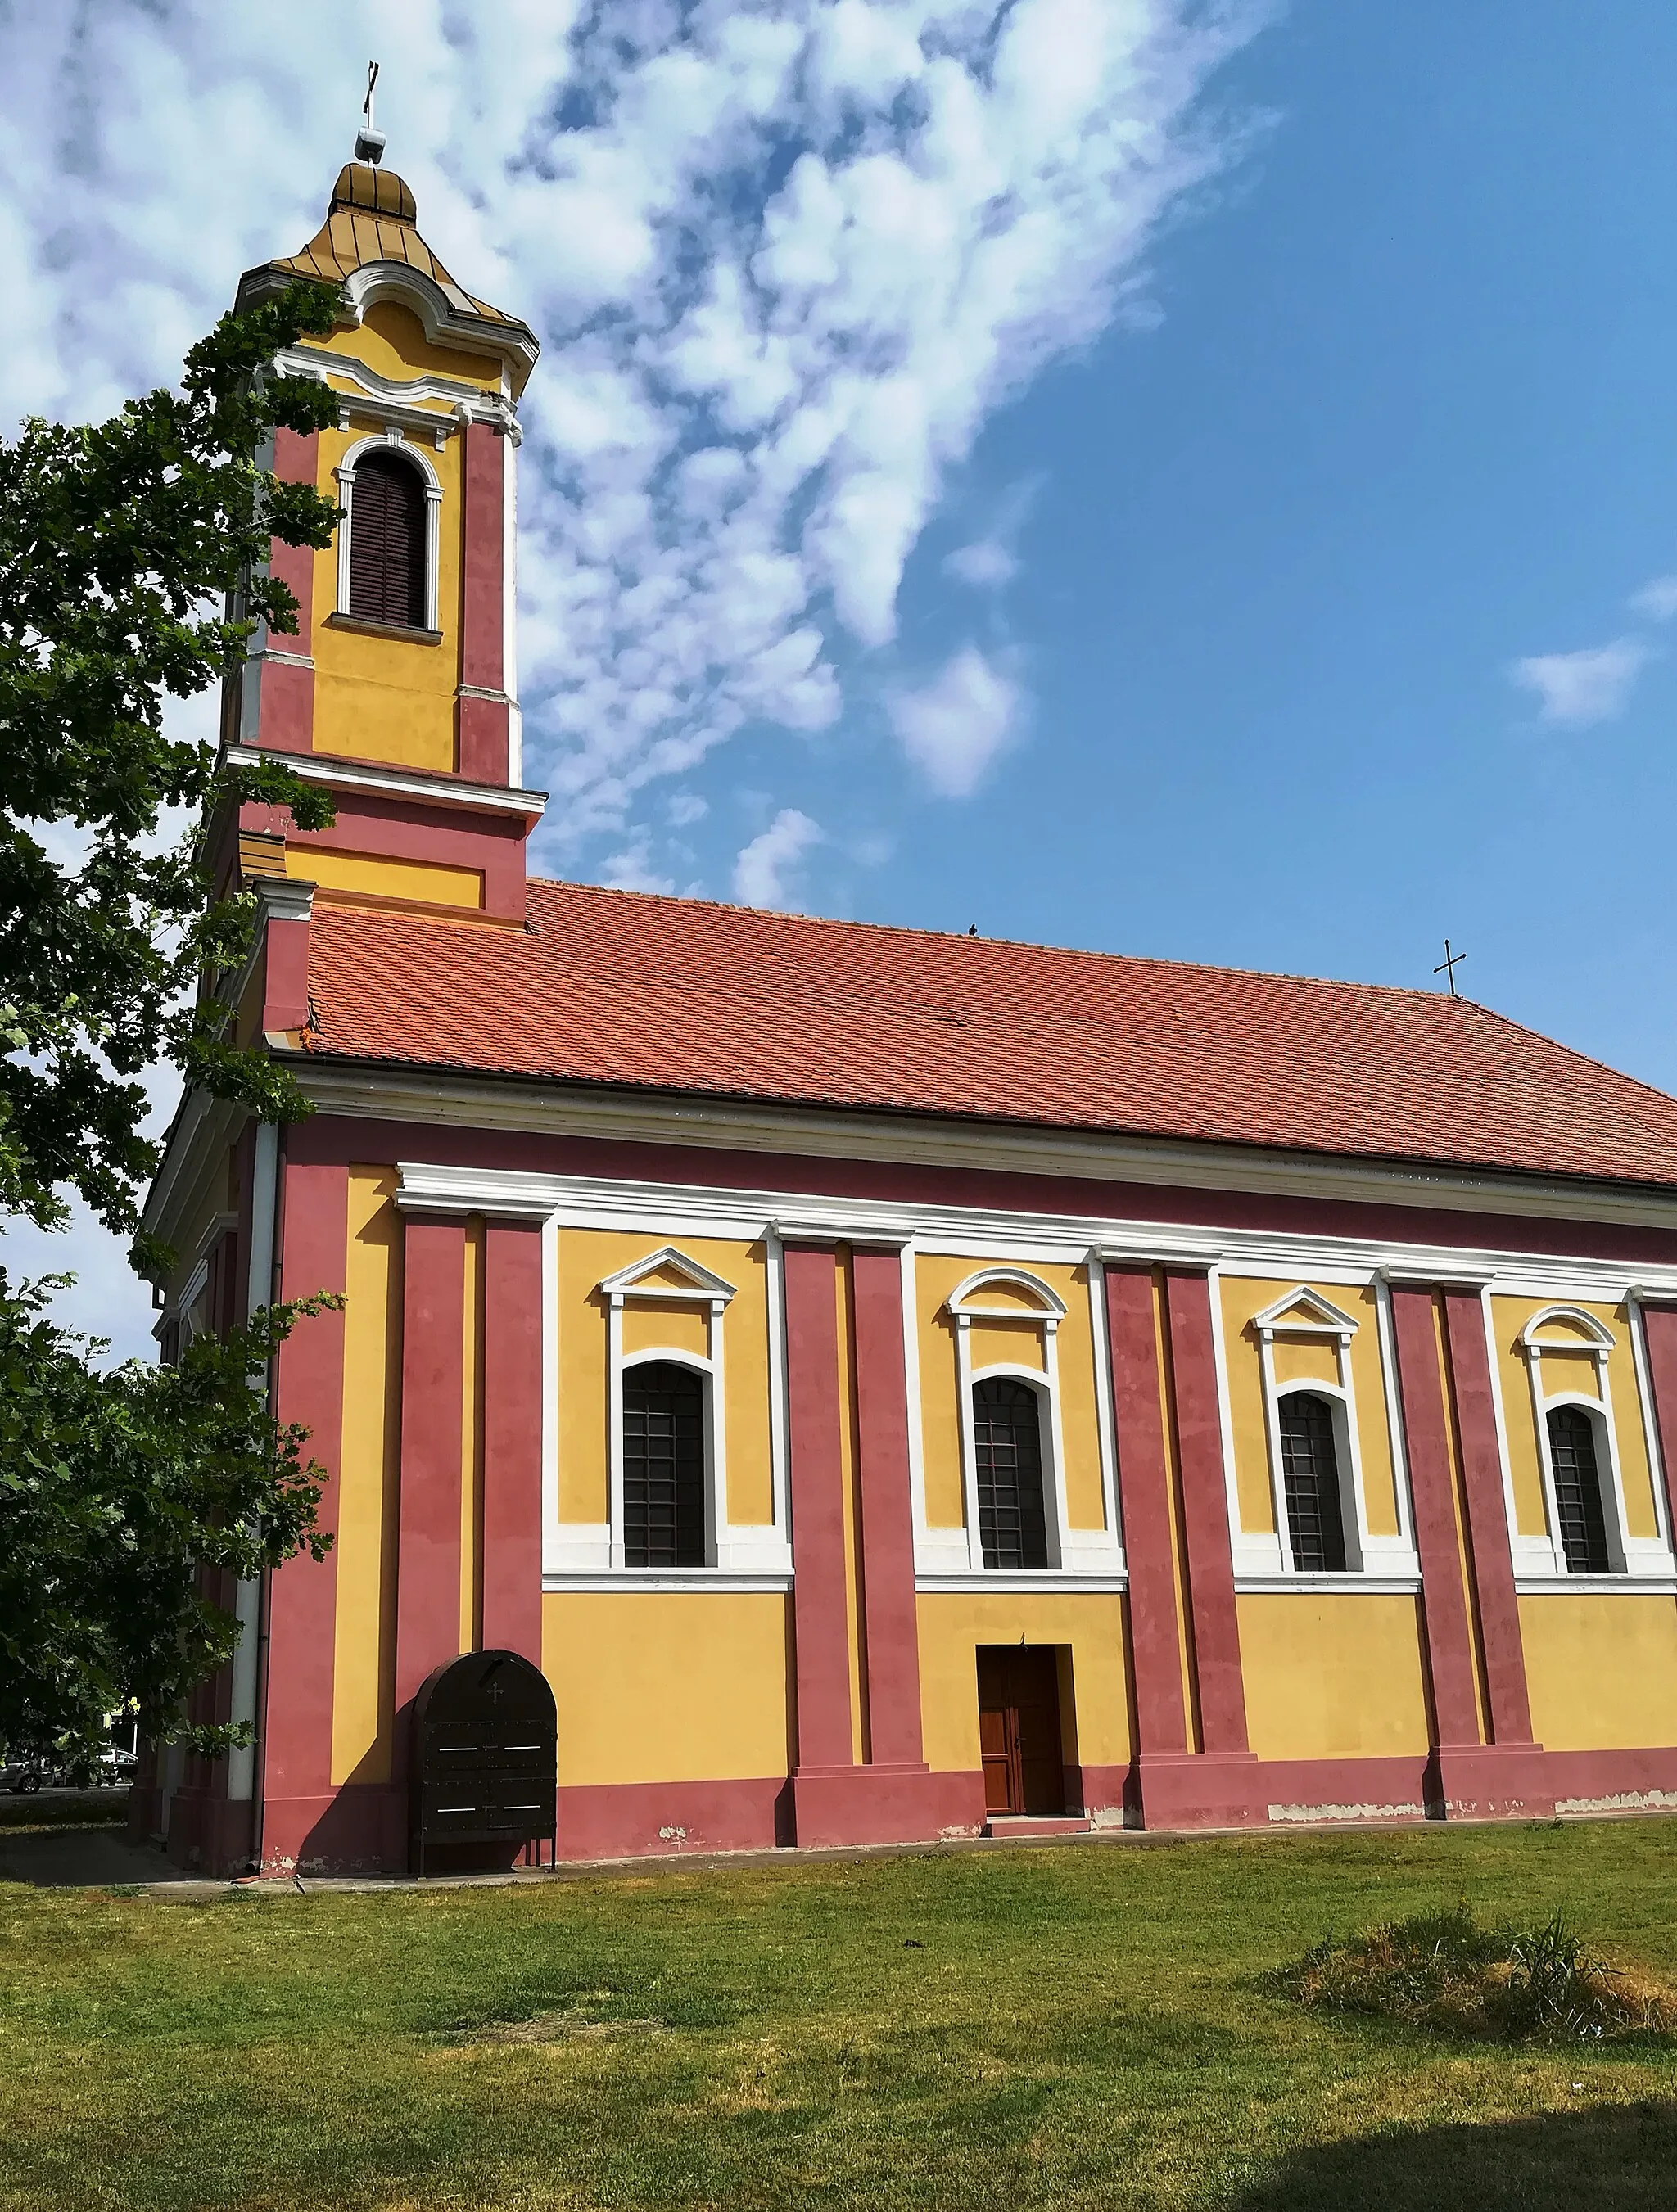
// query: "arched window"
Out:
[1583,1520]
[387,530]
[664,1465]
[1310,1474]
[1007,1443]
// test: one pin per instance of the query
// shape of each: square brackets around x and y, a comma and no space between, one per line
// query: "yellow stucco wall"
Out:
[424,882]
[1095,1728]
[1333,1676]
[666,1325]
[1302,1360]
[935,1275]
[1564,1373]
[388,699]
[1601,1669]
[670,1687]
[586,1257]
[365,1552]
[390,339]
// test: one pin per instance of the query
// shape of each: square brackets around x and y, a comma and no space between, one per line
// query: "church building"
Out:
[889,1384]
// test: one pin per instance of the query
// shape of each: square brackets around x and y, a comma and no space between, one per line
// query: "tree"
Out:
[122,545]
[116,1490]
[132,569]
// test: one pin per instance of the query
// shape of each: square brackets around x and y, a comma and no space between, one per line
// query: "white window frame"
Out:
[1600,1342]
[965,1305]
[393,436]
[1304,1316]
[700,1287]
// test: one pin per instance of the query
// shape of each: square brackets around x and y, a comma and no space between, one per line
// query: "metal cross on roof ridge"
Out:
[1447,966]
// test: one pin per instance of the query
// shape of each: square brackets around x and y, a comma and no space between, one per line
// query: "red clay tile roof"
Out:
[672,994]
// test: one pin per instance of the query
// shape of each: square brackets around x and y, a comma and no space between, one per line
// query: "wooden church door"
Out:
[1019,1728]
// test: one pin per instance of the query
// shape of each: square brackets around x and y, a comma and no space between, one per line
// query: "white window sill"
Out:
[1061,1579]
[1658,1583]
[1361,1581]
[623,1580]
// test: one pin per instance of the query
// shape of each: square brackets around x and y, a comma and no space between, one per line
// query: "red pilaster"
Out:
[820,1625]
[1431,1483]
[1216,1634]
[1144,1469]
[1659,1327]
[1468,1777]
[888,1514]
[512,1439]
[1487,1518]
[286,720]
[428,1555]
[484,713]
[295,1753]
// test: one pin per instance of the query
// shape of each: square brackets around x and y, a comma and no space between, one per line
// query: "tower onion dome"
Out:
[370,244]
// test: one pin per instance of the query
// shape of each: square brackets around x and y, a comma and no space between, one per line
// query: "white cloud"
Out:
[685,807]
[953,727]
[1657,599]
[987,564]
[764,870]
[756,374]
[631,869]
[1592,685]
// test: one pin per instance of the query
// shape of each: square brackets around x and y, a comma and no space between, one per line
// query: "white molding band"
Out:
[392,783]
[554,1106]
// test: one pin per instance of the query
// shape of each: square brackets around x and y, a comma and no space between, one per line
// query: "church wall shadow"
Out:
[1613,2158]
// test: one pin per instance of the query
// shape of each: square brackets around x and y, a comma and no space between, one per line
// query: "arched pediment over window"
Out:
[1004,1293]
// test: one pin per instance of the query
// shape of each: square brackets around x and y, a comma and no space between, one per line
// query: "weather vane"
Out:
[369,141]
[1447,967]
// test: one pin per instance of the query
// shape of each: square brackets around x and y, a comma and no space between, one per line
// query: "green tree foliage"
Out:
[133,570]
[116,1490]
[122,546]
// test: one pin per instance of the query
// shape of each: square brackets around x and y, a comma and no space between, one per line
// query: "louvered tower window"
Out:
[664,1465]
[1007,1441]
[1310,1478]
[1583,1520]
[387,542]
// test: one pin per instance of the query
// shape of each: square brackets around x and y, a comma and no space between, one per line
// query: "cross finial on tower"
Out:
[1447,967]
[369,143]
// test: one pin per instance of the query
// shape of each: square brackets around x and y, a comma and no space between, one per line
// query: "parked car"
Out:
[23,1777]
[115,1769]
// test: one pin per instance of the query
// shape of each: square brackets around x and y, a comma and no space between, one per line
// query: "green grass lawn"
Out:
[1065,2027]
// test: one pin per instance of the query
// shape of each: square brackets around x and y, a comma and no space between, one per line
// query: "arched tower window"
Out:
[387,542]
[1310,1474]
[1006,1440]
[1583,1517]
[664,1465]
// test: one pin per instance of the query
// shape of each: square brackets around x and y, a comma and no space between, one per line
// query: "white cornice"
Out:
[392,1093]
[672,1210]
[392,783]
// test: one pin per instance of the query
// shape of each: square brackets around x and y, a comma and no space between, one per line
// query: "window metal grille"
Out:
[663,1467]
[1006,1440]
[1583,1520]
[387,542]
[1310,1478]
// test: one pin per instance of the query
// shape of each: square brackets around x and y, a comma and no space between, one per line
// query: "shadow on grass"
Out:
[1614,2157]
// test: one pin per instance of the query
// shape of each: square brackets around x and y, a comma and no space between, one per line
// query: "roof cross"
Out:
[1447,966]
[369,140]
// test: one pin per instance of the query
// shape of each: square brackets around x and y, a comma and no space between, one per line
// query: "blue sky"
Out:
[1271,577]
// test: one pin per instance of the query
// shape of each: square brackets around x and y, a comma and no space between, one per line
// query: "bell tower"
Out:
[398,692]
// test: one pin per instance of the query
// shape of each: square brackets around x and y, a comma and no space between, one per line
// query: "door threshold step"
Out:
[1036,1824]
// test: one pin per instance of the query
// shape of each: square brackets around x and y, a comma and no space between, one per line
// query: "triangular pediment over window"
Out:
[1304,1312]
[667,1273]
